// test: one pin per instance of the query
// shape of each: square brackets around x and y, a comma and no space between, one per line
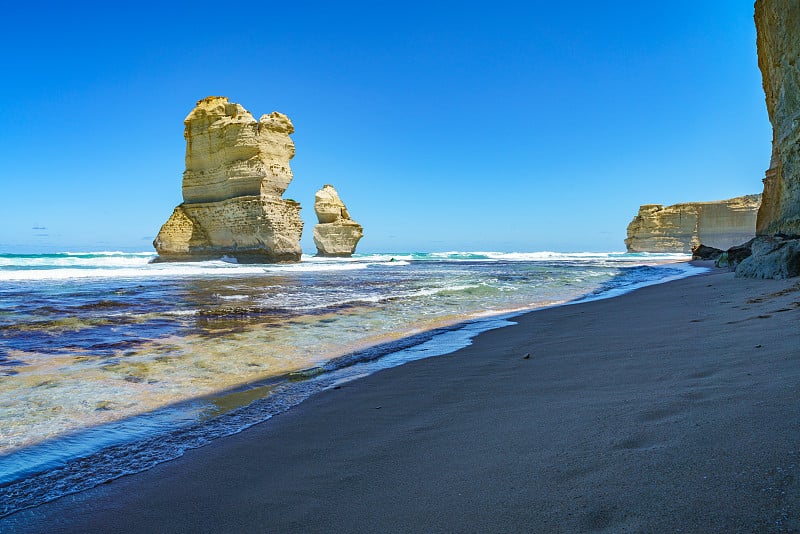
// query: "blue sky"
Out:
[510,126]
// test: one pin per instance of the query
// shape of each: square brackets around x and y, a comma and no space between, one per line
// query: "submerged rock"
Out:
[336,234]
[237,169]
[683,227]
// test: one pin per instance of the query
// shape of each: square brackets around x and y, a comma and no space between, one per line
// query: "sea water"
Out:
[110,364]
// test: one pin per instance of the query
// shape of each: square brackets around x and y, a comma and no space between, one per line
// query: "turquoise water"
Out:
[109,357]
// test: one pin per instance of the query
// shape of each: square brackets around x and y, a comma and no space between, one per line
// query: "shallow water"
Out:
[106,350]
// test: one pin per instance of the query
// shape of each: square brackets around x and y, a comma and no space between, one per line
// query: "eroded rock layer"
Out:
[237,168]
[682,227]
[336,234]
[778,41]
[770,257]
[776,249]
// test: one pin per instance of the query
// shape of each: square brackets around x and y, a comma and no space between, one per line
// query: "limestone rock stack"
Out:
[237,169]
[776,250]
[682,227]
[336,234]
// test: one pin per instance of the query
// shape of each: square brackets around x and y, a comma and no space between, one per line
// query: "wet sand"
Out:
[675,408]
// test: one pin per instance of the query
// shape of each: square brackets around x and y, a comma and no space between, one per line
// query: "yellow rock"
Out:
[237,168]
[681,227]
[776,249]
[778,41]
[336,234]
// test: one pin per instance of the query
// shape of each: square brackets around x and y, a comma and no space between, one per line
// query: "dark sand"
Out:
[675,408]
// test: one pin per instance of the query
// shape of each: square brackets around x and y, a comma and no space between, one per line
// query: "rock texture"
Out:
[778,41]
[683,227]
[776,249]
[772,257]
[702,252]
[735,255]
[237,169]
[336,234]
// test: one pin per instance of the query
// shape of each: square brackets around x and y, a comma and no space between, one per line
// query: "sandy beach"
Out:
[675,408]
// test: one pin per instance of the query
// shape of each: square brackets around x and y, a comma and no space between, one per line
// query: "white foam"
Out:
[309,267]
[361,258]
[109,253]
[685,270]
[109,264]
[159,270]
[67,261]
[567,256]
[233,297]
[488,256]
[122,265]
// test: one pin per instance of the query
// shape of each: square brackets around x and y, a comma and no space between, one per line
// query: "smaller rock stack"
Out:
[336,234]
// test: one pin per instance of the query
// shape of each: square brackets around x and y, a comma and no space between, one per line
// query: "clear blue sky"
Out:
[510,126]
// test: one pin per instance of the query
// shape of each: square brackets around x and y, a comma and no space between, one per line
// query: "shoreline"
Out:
[306,467]
[230,418]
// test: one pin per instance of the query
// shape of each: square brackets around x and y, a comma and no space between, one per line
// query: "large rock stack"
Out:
[237,169]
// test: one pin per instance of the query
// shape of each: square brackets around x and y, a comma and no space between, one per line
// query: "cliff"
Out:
[776,249]
[681,227]
[778,42]
[237,169]
[336,234]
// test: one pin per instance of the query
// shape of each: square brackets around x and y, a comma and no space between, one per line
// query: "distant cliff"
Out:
[237,168]
[336,234]
[681,227]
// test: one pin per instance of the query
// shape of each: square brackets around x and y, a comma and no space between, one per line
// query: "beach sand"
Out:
[675,408]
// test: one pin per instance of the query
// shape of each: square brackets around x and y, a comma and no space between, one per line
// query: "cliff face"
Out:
[681,227]
[778,41]
[336,234]
[237,168]
[775,252]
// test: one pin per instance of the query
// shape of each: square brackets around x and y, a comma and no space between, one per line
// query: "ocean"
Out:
[110,364]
